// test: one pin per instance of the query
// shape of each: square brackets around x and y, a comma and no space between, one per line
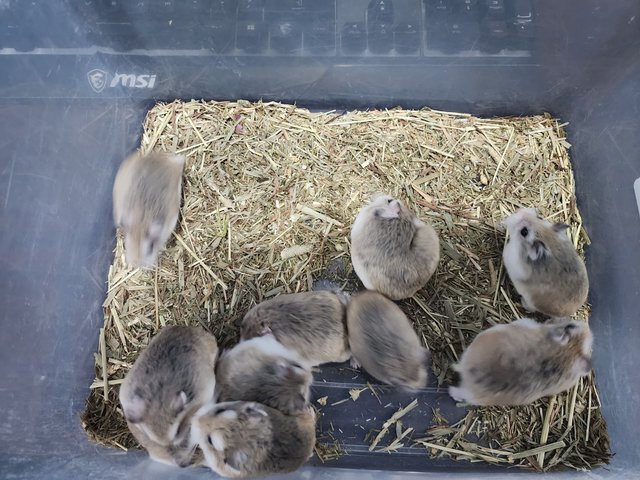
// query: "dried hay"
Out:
[270,192]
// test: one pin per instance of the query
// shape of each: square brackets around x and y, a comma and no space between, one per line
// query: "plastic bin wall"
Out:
[77,77]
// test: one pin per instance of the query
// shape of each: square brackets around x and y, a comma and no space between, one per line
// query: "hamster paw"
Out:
[526,305]
[265,331]
[456,394]
[354,363]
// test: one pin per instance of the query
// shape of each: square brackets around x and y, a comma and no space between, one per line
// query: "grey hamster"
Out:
[311,323]
[392,250]
[170,380]
[518,363]
[543,265]
[146,203]
[263,370]
[383,341]
[242,439]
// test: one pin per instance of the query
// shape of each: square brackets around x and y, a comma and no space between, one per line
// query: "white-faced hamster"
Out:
[242,439]
[543,265]
[263,370]
[518,363]
[311,323]
[146,203]
[170,380]
[384,343]
[392,250]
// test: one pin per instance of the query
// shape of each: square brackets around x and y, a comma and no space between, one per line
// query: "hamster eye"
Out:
[524,232]
[390,200]
[210,440]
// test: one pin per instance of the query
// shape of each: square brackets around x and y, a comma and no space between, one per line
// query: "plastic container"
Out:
[77,77]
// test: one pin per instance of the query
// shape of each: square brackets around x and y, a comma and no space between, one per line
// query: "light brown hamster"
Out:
[146,203]
[311,323]
[242,439]
[518,363]
[543,265]
[263,370]
[170,380]
[392,250]
[383,341]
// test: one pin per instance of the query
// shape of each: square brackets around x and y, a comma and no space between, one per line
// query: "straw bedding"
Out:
[270,191]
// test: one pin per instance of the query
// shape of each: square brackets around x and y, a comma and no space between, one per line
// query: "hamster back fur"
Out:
[543,265]
[392,250]
[241,439]
[518,363]
[263,370]
[383,341]
[146,203]
[171,379]
[311,323]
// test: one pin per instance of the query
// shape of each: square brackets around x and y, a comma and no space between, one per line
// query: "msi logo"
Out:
[99,80]
[133,81]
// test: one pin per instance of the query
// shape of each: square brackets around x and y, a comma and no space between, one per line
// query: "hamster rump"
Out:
[146,203]
[519,363]
[393,251]
[543,265]
[240,439]
[383,342]
[311,323]
[172,377]
[263,370]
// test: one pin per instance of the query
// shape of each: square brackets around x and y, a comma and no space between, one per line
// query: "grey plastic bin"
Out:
[78,76]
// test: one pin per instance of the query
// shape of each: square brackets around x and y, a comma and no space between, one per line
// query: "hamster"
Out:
[242,439]
[146,203]
[523,361]
[543,265]
[311,323]
[170,380]
[392,250]
[384,343]
[263,370]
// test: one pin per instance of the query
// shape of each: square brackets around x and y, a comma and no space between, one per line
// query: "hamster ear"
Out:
[560,227]
[254,411]
[236,460]
[563,334]
[288,370]
[134,409]
[537,251]
[179,402]
[584,365]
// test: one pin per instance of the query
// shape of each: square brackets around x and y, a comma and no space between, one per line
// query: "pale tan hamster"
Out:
[263,370]
[543,265]
[146,203]
[311,323]
[170,380]
[384,343]
[518,363]
[392,250]
[242,439]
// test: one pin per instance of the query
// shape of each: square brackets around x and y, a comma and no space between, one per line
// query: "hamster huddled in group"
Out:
[246,411]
